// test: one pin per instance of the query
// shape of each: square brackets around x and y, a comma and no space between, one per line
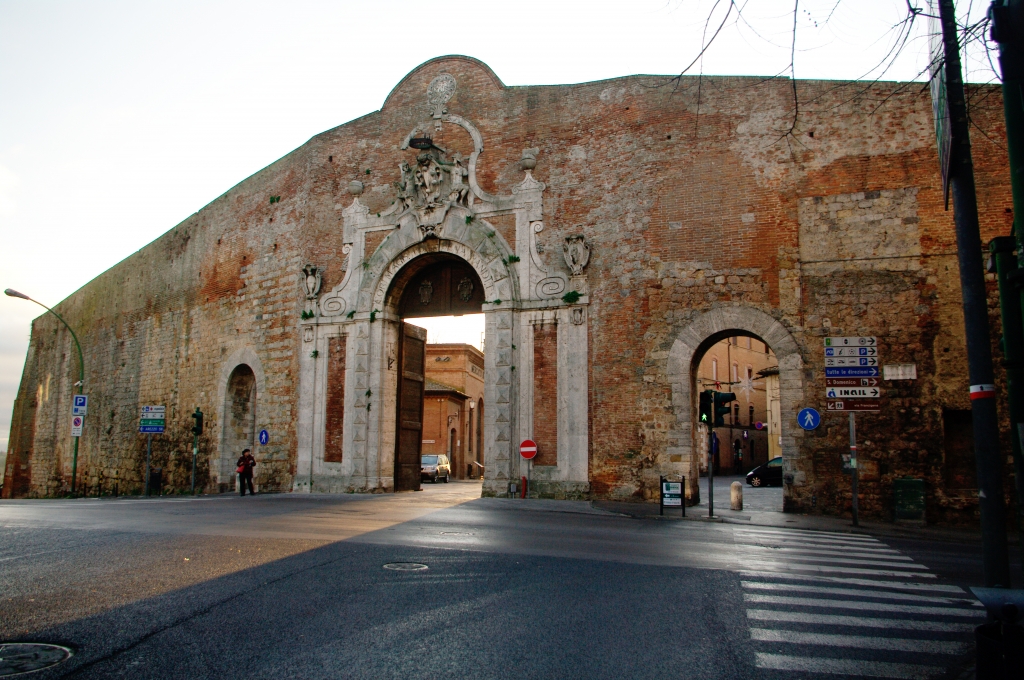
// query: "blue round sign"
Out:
[808,418]
[264,437]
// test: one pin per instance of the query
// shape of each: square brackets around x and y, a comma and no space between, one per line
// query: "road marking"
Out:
[803,533]
[18,557]
[870,583]
[824,569]
[859,641]
[837,560]
[857,621]
[863,669]
[757,598]
[757,585]
[848,553]
[823,546]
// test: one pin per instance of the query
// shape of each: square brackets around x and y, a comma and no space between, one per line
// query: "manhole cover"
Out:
[25,657]
[405,566]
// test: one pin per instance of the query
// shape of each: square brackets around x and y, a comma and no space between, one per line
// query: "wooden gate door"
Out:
[411,369]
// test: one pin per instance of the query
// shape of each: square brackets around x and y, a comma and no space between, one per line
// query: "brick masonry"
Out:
[693,200]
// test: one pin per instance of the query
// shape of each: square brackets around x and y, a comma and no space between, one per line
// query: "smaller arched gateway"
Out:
[436,251]
[687,350]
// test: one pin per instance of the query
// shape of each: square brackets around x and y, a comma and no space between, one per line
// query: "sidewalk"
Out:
[760,510]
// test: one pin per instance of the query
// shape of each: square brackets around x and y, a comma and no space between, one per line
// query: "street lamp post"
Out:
[81,370]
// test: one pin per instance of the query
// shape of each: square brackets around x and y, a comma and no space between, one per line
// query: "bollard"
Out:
[736,496]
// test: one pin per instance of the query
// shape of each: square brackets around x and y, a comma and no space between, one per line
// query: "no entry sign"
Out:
[528,449]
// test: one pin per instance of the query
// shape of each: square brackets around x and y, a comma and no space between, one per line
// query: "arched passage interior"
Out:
[432,285]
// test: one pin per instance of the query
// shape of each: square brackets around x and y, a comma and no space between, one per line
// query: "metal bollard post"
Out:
[736,496]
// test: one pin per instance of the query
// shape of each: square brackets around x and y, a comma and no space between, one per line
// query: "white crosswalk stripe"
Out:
[842,605]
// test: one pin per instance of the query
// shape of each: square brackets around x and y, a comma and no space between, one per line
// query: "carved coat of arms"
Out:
[577,253]
[431,186]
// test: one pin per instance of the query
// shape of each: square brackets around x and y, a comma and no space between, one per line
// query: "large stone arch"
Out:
[224,465]
[681,375]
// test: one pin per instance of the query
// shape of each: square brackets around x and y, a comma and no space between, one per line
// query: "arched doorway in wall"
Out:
[433,285]
[239,417]
[747,438]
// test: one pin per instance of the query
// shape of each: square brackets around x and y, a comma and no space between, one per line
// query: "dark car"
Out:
[769,474]
[435,468]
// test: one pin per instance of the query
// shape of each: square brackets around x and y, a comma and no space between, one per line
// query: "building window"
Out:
[750,372]
[751,423]
[714,369]
[735,413]
[735,373]
[748,342]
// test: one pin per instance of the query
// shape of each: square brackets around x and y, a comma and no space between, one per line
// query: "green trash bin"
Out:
[909,498]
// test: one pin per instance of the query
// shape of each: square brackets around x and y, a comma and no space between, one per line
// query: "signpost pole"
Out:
[149,453]
[661,495]
[195,453]
[711,472]
[529,469]
[853,464]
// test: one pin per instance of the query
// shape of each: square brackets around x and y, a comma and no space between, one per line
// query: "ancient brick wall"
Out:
[691,199]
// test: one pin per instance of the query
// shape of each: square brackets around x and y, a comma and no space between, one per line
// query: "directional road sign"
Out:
[264,437]
[853,392]
[671,494]
[76,425]
[852,382]
[851,351]
[808,418]
[851,361]
[152,419]
[859,372]
[856,341]
[853,405]
[80,405]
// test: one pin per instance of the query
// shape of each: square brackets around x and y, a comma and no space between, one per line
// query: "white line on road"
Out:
[864,622]
[803,534]
[824,569]
[811,551]
[764,552]
[773,543]
[865,582]
[790,587]
[859,641]
[862,669]
[757,598]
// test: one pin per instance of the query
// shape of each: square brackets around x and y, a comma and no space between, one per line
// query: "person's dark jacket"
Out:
[248,461]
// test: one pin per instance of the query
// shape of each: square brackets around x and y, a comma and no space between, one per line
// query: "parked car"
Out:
[434,468]
[769,474]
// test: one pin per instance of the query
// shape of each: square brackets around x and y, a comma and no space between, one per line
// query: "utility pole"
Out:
[1008,31]
[975,304]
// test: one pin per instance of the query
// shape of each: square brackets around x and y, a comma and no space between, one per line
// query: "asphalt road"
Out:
[295,586]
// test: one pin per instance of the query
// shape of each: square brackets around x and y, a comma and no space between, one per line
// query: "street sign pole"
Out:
[195,452]
[711,471]
[149,453]
[853,465]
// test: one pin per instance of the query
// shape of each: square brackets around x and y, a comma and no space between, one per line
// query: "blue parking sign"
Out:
[808,418]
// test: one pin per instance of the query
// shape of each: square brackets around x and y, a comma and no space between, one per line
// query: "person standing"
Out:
[245,465]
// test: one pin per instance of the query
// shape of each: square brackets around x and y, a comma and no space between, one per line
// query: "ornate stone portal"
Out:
[441,211]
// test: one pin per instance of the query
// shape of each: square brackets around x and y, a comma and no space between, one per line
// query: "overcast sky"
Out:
[118,119]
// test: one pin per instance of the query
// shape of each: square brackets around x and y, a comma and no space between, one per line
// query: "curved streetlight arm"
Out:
[81,362]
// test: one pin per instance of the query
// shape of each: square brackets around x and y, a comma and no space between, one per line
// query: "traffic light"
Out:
[720,401]
[197,429]
[705,411]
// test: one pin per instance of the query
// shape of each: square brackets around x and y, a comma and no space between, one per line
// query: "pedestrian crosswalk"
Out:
[848,605]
